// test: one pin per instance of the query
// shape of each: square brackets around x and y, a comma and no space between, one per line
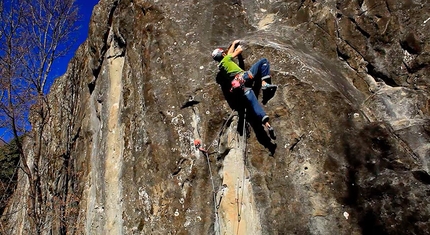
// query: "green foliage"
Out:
[9,159]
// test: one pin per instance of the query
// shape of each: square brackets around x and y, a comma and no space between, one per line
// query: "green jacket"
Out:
[230,66]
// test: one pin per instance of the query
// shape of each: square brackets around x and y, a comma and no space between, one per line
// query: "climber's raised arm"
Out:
[235,49]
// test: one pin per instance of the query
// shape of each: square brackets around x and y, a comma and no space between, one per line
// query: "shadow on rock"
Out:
[380,185]
[236,100]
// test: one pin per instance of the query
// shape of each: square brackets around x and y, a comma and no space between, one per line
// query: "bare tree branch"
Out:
[33,34]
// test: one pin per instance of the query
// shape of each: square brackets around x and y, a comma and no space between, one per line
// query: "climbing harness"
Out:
[239,80]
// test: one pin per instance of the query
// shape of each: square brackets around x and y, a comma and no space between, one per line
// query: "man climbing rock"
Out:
[258,71]
[243,80]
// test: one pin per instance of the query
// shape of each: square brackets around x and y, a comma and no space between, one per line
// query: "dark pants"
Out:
[259,70]
[254,106]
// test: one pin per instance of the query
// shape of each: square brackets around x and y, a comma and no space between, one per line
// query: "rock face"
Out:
[351,115]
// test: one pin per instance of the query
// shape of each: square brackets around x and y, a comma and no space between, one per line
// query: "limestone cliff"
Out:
[351,116]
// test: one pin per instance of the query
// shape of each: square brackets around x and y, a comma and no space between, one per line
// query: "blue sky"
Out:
[60,66]
[85,11]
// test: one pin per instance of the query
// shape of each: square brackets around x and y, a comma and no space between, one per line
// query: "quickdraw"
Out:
[198,145]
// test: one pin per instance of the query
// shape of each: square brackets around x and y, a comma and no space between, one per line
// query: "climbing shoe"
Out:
[271,133]
[265,119]
[272,149]
[268,92]
[269,87]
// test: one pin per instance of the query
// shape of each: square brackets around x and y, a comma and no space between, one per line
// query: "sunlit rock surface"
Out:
[351,115]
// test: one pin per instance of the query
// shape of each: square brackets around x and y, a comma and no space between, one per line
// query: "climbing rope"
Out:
[239,199]
[198,145]
[239,196]
[222,128]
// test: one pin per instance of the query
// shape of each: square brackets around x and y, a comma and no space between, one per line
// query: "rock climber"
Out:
[242,79]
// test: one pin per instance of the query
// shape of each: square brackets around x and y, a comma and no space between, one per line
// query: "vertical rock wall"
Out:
[351,115]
